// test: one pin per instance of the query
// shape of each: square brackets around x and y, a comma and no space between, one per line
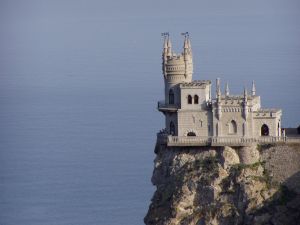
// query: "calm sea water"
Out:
[79,81]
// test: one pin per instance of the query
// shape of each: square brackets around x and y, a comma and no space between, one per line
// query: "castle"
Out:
[194,117]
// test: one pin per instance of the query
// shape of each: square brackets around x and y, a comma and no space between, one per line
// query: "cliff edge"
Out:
[226,185]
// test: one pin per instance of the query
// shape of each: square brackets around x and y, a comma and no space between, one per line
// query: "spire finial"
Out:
[253,92]
[227,90]
[245,94]
[218,88]
[186,41]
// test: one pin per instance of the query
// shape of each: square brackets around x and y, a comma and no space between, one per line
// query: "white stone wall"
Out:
[172,117]
[194,121]
[203,95]
[226,119]
[270,122]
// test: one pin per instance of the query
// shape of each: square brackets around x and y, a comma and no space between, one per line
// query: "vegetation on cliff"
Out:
[224,185]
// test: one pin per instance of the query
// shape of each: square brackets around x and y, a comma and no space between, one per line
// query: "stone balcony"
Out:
[163,107]
[221,141]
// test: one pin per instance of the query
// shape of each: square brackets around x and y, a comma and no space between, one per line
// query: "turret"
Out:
[245,104]
[227,90]
[169,47]
[253,91]
[165,52]
[218,95]
[177,68]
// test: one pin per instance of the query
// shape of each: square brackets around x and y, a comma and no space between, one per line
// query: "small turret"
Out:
[218,93]
[165,52]
[245,104]
[227,90]
[177,68]
[253,91]
[188,61]
[169,47]
[218,90]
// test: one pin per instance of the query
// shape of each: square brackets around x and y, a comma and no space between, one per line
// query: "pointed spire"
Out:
[190,46]
[227,90]
[253,92]
[169,46]
[189,43]
[165,43]
[186,43]
[218,89]
[245,95]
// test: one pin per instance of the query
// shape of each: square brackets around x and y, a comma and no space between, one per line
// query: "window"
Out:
[191,134]
[196,99]
[190,99]
[172,128]
[264,130]
[171,97]
[232,127]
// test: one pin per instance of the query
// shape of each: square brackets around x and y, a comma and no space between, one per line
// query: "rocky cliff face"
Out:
[224,185]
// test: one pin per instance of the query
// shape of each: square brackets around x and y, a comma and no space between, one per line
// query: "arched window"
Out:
[196,99]
[232,127]
[191,134]
[264,130]
[171,97]
[190,99]
[172,128]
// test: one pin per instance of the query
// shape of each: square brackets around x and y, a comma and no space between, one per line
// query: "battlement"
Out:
[196,84]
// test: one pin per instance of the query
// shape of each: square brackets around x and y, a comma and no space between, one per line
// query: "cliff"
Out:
[225,185]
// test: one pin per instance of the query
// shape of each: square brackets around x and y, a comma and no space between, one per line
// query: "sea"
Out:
[79,85]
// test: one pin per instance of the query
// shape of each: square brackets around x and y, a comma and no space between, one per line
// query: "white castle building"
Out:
[190,109]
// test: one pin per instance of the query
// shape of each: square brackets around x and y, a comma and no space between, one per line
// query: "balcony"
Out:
[163,107]
[221,141]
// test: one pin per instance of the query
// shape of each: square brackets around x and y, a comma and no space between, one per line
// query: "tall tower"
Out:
[177,68]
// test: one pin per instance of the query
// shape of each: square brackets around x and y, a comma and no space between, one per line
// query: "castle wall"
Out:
[194,121]
[172,117]
[202,93]
[272,123]
[226,119]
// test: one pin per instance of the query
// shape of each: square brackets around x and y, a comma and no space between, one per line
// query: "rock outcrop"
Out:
[226,185]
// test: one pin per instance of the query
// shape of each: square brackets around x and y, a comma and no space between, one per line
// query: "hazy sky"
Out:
[42,41]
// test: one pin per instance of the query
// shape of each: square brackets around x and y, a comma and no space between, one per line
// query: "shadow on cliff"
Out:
[284,206]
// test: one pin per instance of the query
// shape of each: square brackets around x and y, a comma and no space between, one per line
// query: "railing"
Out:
[221,141]
[161,105]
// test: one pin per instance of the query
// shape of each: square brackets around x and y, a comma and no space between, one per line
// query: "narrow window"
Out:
[232,127]
[171,97]
[190,99]
[172,128]
[196,99]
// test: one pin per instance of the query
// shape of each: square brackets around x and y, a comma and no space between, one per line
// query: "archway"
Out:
[264,130]
[172,128]
[171,97]
[232,127]
[191,134]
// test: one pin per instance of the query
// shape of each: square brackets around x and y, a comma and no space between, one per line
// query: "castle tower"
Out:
[177,68]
